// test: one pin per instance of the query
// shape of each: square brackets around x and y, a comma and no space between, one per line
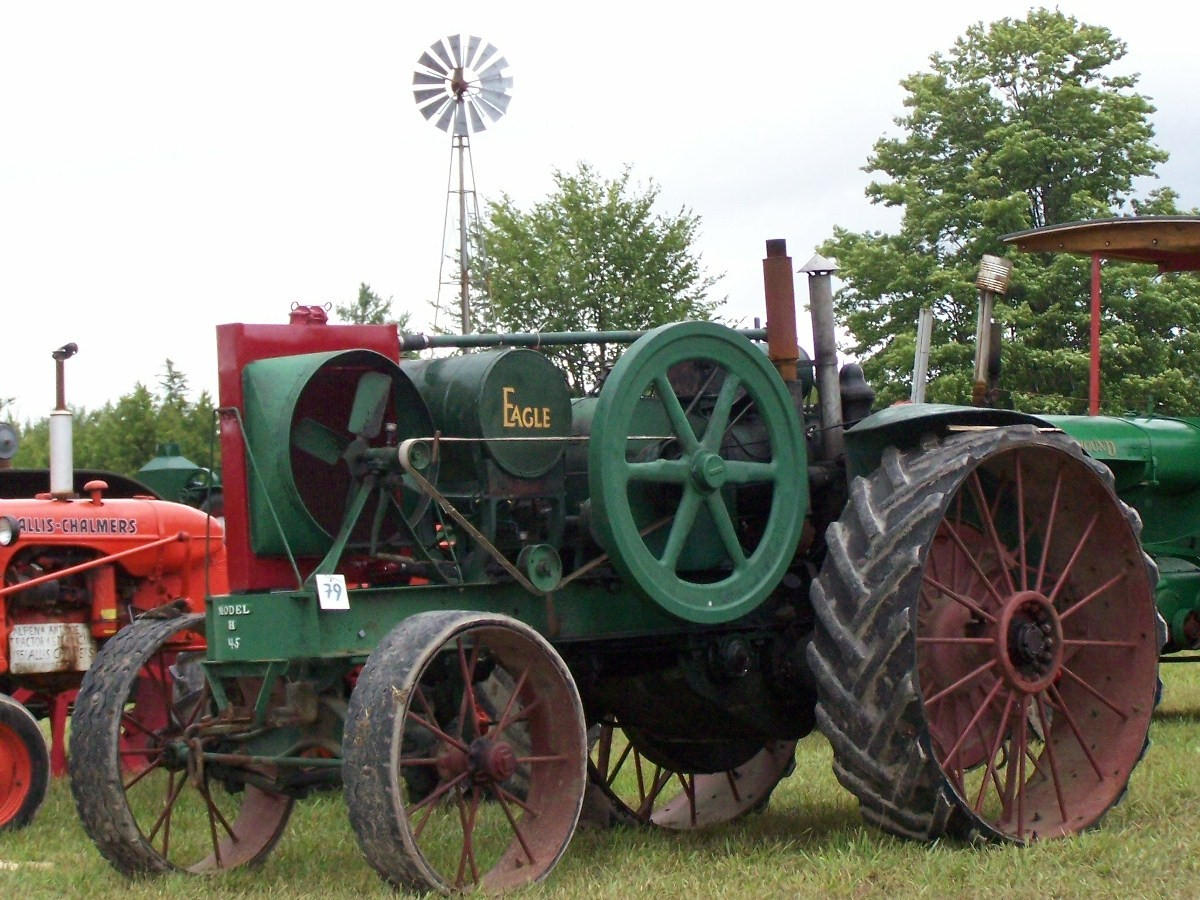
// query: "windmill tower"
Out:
[460,86]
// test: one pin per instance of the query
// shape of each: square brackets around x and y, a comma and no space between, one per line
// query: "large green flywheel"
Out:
[697,471]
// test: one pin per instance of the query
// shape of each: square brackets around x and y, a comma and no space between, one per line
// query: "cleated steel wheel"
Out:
[987,642]
[644,792]
[24,765]
[148,791]
[447,789]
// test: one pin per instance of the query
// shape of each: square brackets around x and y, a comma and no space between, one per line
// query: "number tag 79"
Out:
[332,593]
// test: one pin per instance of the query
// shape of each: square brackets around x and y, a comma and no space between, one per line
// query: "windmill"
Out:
[460,86]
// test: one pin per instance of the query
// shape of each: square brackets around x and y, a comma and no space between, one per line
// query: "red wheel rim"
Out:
[16,774]
[475,825]
[1036,656]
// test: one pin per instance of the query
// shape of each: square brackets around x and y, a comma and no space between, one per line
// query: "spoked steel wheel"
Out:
[999,678]
[146,792]
[446,791]
[24,764]
[671,451]
[651,794]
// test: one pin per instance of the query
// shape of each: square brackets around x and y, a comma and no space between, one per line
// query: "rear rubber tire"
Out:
[876,635]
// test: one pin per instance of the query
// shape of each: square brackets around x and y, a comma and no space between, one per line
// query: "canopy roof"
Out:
[1170,242]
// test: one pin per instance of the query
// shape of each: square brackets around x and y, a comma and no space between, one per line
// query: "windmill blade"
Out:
[493,111]
[497,99]
[476,120]
[495,82]
[433,108]
[446,117]
[440,49]
[455,50]
[493,71]
[460,119]
[473,43]
[432,64]
[319,440]
[420,77]
[426,94]
[488,52]
[370,403]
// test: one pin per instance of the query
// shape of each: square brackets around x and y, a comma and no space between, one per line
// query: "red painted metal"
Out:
[238,345]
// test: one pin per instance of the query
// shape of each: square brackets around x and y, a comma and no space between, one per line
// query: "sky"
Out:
[167,167]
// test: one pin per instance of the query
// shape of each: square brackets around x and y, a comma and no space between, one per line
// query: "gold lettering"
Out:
[516,416]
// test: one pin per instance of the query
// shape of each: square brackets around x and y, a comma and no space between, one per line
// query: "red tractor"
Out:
[79,562]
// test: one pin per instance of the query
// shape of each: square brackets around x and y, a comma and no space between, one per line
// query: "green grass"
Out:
[810,842]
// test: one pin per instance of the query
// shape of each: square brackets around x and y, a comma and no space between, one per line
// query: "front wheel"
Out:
[24,765]
[447,789]
[987,643]
[149,790]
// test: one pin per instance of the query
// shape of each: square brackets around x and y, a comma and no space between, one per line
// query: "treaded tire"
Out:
[864,655]
[24,765]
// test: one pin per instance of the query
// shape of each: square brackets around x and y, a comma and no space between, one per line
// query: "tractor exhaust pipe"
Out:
[820,304]
[62,467]
[783,348]
[993,278]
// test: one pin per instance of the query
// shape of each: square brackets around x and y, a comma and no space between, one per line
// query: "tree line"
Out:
[1021,123]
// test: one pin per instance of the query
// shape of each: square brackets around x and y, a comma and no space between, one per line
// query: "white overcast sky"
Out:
[165,167]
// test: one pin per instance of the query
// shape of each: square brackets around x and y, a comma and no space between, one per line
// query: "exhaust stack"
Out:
[62,467]
[820,304]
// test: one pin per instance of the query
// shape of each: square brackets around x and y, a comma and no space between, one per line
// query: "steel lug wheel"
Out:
[452,783]
[143,790]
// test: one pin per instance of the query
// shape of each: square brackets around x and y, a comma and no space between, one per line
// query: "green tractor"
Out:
[476,603]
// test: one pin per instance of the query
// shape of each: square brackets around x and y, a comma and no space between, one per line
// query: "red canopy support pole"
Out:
[1094,374]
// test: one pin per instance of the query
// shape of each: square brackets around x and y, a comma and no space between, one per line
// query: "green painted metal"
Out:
[301,414]
[537,339]
[507,398]
[252,629]
[173,476]
[699,468]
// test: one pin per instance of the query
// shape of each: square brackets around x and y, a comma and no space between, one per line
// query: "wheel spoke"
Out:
[739,471]
[513,798]
[1061,704]
[504,721]
[990,526]
[210,808]
[681,528]
[970,557]
[1022,750]
[172,795]
[436,794]
[1049,744]
[467,670]
[986,641]
[1021,519]
[142,774]
[467,854]
[1066,573]
[516,828]
[958,598]
[1049,532]
[1078,605]
[1001,727]
[1085,642]
[1095,693]
[970,676]
[718,421]
[437,732]
[724,524]
[983,707]
[679,422]
[662,471]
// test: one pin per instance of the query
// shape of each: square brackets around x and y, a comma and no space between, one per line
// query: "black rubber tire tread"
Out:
[374,798]
[16,718]
[94,764]
[863,652]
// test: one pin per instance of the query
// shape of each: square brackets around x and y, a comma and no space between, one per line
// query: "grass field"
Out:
[810,842]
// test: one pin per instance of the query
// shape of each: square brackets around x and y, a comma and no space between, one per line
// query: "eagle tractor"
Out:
[475,602]
[83,555]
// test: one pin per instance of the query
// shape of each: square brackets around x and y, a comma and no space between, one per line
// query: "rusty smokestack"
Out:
[783,348]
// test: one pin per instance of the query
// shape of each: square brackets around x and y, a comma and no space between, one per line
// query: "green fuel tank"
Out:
[502,402]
